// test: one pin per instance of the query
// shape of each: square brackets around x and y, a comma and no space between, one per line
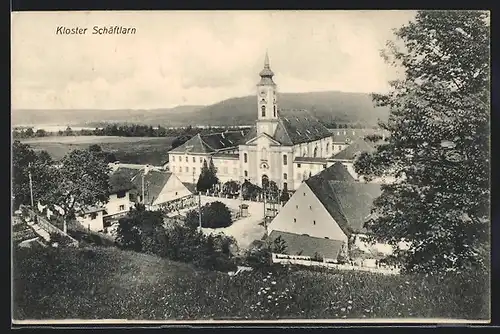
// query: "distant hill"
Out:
[327,106]
[92,117]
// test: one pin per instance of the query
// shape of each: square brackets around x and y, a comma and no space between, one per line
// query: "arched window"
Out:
[246,174]
[263,108]
[315,152]
[274,111]
[285,160]
[245,158]
[327,148]
[285,176]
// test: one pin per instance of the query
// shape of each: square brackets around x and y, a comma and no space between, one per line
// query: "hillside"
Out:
[94,117]
[107,283]
[327,106]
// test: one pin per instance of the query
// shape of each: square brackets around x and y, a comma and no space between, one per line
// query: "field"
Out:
[107,283]
[137,150]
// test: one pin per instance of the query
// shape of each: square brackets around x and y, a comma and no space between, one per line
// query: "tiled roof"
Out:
[191,187]
[350,152]
[356,200]
[348,202]
[211,142]
[129,173]
[224,140]
[344,135]
[299,126]
[154,181]
[298,244]
[120,181]
[195,145]
[310,159]
[251,134]
[337,172]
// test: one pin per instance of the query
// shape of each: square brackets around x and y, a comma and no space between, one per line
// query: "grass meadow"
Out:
[107,283]
[136,150]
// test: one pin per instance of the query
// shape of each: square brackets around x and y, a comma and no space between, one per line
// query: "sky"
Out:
[194,58]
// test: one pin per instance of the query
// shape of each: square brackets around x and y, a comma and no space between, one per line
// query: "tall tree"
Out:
[284,197]
[82,181]
[212,172]
[438,148]
[203,183]
[24,161]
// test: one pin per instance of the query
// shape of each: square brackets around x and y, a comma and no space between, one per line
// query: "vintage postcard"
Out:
[251,166]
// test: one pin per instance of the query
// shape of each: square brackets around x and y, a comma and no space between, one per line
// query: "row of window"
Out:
[178,169]
[187,159]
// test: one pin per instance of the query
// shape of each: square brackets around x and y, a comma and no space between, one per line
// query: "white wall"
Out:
[186,170]
[114,204]
[95,224]
[172,190]
[227,168]
[311,217]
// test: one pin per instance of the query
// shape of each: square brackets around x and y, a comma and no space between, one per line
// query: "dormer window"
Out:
[263,110]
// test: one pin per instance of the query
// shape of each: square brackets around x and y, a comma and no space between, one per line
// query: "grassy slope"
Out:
[130,150]
[104,283]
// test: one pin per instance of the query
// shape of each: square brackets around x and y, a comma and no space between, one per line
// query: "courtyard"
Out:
[244,230]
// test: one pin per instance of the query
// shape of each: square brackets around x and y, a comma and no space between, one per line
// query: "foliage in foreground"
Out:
[438,146]
[98,283]
[144,231]
[213,215]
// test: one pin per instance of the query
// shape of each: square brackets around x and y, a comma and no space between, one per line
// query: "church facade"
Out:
[284,146]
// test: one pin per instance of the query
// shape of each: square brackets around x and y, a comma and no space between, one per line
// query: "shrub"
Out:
[61,240]
[215,215]
[142,231]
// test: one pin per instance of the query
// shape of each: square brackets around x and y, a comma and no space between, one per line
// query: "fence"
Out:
[43,223]
[307,261]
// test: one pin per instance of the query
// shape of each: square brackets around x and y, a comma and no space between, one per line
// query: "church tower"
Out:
[267,106]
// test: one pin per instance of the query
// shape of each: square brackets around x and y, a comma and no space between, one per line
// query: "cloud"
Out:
[194,57]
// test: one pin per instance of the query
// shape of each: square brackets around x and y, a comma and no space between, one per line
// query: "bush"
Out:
[61,240]
[215,215]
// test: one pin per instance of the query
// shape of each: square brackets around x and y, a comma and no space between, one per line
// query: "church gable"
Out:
[262,139]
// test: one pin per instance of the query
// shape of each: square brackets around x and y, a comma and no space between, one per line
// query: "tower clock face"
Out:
[262,92]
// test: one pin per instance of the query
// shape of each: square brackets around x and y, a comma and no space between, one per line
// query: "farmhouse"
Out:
[323,213]
[158,189]
[120,196]
[90,217]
